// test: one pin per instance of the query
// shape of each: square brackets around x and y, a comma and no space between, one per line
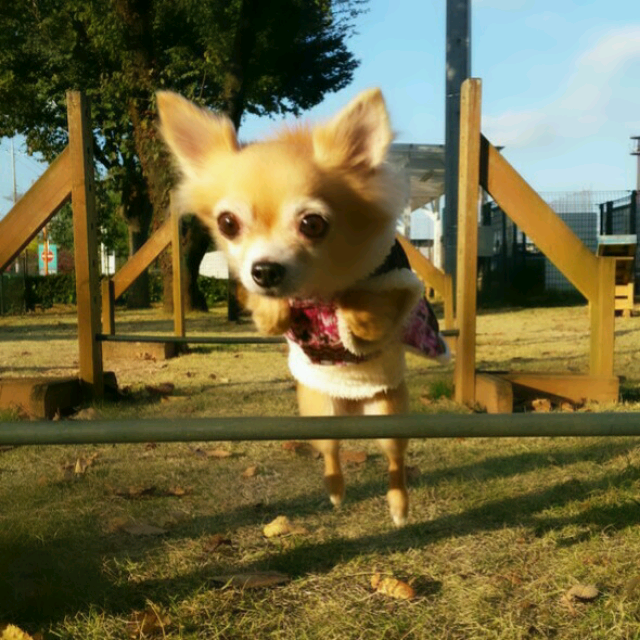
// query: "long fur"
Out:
[336,171]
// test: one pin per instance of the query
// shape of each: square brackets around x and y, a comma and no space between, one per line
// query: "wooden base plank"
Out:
[141,350]
[576,388]
[40,397]
[494,393]
[47,397]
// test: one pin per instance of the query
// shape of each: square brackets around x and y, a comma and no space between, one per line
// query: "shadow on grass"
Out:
[44,580]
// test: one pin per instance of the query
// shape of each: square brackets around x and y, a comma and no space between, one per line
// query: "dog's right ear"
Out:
[193,134]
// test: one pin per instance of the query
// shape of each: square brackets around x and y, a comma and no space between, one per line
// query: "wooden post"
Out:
[86,244]
[176,266]
[467,267]
[602,316]
[108,307]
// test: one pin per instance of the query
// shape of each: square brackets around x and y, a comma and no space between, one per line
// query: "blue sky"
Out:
[561,85]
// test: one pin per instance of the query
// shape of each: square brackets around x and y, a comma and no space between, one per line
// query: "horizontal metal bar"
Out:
[107,337]
[446,425]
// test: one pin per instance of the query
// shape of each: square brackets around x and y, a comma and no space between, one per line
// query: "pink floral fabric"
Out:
[422,332]
[314,327]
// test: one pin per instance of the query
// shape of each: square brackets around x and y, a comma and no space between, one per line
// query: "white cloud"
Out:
[515,129]
[600,93]
[501,5]
[612,51]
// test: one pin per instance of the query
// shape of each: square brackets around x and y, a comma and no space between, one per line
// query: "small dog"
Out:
[307,220]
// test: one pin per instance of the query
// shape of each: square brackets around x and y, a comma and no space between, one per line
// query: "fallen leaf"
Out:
[82,464]
[178,492]
[412,472]
[143,529]
[356,457]
[632,588]
[299,448]
[543,405]
[217,453]
[116,524]
[171,519]
[87,414]
[133,493]
[250,472]
[162,389]
[282,526]
[11,632]
[392,587]
[252,580]
[212,543]
[149,622]
[583,592]
[173,398]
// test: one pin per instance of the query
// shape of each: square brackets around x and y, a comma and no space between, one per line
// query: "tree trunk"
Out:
[137,213]
[138,294]
[197,242]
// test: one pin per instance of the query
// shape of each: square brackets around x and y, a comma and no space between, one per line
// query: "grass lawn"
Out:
[135,541]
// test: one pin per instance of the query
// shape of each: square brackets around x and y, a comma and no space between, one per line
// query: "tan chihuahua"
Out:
[307,220]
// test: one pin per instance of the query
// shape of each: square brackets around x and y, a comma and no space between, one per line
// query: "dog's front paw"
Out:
[270,315]
[370,316]
[366,325]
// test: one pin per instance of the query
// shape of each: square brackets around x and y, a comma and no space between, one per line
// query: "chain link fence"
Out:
[516,268]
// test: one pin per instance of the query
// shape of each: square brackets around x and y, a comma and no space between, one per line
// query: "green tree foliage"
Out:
[263,57]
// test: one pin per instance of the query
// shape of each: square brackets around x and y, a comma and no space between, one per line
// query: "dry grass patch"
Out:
[500,530]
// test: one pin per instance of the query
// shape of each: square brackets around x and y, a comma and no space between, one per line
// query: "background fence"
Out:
[516,267]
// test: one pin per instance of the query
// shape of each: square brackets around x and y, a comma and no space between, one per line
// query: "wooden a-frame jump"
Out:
[482,165]
[69,177]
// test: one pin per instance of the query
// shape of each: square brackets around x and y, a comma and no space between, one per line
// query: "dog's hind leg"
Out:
[316,403]
[394,401]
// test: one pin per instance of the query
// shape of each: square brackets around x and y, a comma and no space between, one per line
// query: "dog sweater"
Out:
[325,354]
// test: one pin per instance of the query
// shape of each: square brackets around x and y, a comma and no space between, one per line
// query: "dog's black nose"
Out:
[267,274]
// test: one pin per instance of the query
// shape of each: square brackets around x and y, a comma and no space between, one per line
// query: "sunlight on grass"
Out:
[499,530]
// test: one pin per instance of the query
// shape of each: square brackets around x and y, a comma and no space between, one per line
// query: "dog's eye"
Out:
[228,225]
[313,226]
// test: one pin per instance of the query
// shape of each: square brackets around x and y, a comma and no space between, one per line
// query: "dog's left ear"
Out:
[358,137]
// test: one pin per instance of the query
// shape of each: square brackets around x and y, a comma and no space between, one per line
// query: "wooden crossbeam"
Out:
[431,276]
[36,207]
[138,262]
